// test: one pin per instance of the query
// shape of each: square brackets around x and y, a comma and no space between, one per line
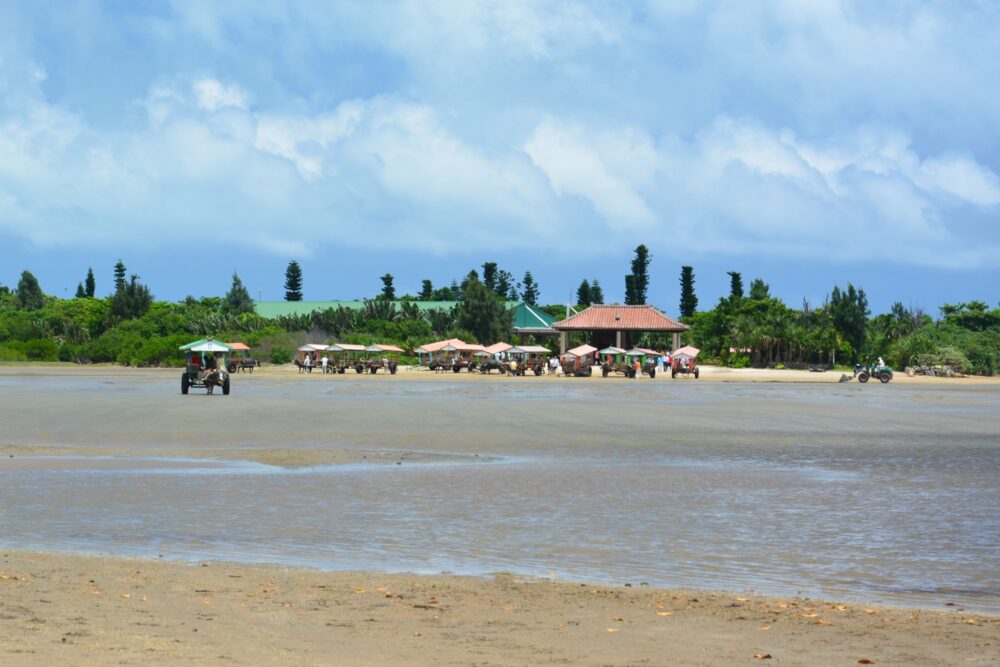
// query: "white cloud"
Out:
[598,169]
[213,95]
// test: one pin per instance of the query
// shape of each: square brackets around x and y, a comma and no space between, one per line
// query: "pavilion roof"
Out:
[620,318]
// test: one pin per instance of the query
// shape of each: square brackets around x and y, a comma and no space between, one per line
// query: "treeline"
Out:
[753,328]
[129,327]
[747,327]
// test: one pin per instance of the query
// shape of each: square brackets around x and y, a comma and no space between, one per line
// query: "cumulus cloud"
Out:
[729,129]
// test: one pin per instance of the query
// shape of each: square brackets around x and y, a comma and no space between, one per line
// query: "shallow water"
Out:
[880,493]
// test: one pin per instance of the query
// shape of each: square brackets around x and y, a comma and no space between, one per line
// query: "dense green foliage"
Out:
[583,294]
[761,330]
[757,329]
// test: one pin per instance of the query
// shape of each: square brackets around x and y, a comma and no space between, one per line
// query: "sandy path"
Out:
[68,609]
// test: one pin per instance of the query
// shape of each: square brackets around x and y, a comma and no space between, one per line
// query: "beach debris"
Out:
[764,628]
[866,661]
[762,656]
[664,613]
[359,590]
[870,611]
[613,629]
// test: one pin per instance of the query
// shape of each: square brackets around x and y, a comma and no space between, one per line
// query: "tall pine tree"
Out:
[89,285]
[689,302]
[293,282]
[119,276]
[637,282]
[238,300]
[596,293]
[735,285]
[388,290]
[583,297]
[426,290]
[529,292]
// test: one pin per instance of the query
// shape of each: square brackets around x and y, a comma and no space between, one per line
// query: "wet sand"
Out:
[67,609]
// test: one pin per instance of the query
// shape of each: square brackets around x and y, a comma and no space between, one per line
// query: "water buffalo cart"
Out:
[684,361]
[579,361]
[205,366]
[240,359]
[613,361]
[529,359]
[382,357]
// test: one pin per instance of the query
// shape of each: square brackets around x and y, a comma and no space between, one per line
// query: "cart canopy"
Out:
[611,350]
[205,345]
[686,351]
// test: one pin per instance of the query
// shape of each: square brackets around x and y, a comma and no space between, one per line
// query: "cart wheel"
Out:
[231,367]
[604,371]
[652,373]
[359,369]
[225,387]
[185,383]
[696,374]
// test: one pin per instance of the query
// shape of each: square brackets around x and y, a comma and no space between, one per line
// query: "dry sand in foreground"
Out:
[84,610]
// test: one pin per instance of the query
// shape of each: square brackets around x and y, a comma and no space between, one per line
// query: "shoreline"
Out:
[92,609]
[712,374]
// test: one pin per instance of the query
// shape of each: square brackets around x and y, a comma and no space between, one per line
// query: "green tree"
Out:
[238,300]
[427,290]
[483,313]
[759,289]
[849,312]
[689,302]
[131,301]
[529,293]
[583,297]
[80,292]
[735,285]
[456,290]
[388,291]
[29,292]
[637,282]
[293,282]
[596,293]
[490,275]
[119,276]
[505,284]
[90,285]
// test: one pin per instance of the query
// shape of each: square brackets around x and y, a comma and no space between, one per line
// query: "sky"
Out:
[811,143]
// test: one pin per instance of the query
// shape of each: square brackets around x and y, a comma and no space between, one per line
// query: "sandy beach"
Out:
[68,609]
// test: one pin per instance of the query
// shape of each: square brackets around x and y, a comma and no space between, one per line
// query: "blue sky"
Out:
[809,142]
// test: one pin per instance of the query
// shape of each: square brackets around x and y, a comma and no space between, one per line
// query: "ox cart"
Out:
[205,366]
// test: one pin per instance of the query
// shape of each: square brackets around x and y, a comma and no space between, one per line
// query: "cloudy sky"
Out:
[809,142]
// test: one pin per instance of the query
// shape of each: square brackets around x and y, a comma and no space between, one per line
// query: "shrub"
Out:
[10,353]
[281,355]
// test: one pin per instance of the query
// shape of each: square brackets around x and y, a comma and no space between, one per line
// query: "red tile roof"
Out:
[619,318]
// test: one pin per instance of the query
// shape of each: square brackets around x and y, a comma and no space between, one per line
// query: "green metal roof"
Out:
[532,318]
[271,309]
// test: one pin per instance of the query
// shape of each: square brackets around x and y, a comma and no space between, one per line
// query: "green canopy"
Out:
[205,345]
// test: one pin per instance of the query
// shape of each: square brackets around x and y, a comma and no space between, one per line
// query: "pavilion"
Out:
[621,326]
